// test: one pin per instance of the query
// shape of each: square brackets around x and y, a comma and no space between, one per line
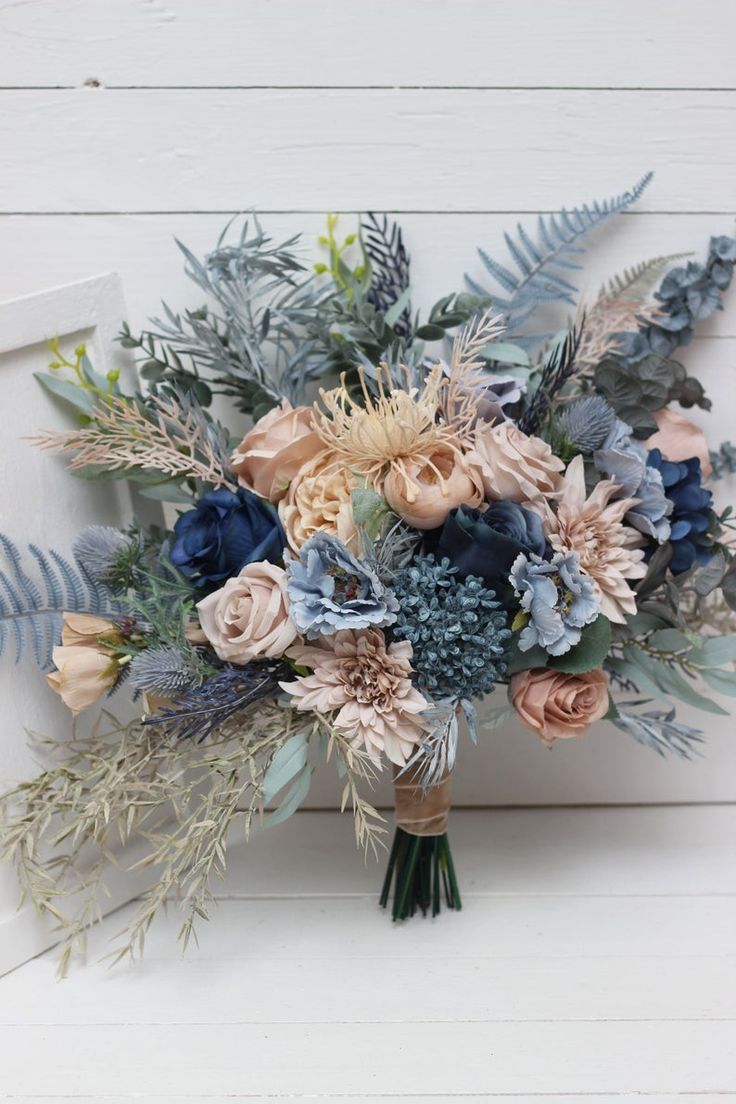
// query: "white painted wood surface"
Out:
[594,959]
[127,123]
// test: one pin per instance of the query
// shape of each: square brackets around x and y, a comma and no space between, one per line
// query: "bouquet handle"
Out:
[420,862]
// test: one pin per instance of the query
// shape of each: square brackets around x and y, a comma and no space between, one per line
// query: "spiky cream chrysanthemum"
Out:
[388,431]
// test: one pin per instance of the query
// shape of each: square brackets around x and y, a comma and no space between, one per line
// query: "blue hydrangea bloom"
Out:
[225,531]
[625,460]
[330,589]
[692,510]
[558,599]
[457,629]
[486,542]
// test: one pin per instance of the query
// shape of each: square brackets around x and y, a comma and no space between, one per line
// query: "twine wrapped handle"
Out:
[421,813]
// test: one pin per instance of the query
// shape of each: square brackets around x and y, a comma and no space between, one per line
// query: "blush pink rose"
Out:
[514,465]
[557,706]
[677,438]
[248,618]
[270,455]
[426,488]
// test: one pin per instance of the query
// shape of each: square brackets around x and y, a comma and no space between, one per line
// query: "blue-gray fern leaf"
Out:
[35,595]
[539,265]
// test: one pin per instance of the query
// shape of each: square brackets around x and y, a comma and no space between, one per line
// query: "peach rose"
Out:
[270,455]
[88,630]
[556,706]
[678,438]
[318,500]
[83,674]
[513,465]
[248,618]
[426,488]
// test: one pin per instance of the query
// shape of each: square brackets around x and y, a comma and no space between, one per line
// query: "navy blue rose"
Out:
[692,510]
[486,542]
[225,531]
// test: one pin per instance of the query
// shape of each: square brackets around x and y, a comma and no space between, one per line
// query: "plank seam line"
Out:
[103,86]
[468,213]
[376,1022]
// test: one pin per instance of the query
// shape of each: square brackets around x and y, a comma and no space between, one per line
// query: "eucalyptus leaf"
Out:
[663,681]
[714,651]
[395,312]
[723,682]
[295,796]
[505,352]
[70,393]
[709,577]
[290,758]
[669,640]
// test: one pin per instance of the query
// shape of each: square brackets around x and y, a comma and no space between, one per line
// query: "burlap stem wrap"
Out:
[420,813]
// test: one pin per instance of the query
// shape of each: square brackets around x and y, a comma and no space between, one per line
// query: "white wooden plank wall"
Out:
[125,123]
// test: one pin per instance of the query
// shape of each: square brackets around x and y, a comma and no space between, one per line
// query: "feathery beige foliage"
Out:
[163,438]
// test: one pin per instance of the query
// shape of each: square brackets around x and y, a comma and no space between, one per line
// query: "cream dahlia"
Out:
[608,550]
[318,500]
[368,686]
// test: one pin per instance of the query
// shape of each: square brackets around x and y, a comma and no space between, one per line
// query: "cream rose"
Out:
[557,706]
[248,618]
[83,674]
[270,455]
[425,488]
[318,500]
[678,438]
[513,465]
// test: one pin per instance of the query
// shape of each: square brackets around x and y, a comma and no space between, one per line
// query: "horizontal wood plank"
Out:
[419,1060]
[288,42]
[442,150]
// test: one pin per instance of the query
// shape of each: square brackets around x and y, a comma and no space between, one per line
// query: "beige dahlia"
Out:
[318,500]
[609,551]
[512,464]
[368,687]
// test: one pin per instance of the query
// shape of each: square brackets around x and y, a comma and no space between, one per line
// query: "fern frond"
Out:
[538,276]
[637,281]
[31,611]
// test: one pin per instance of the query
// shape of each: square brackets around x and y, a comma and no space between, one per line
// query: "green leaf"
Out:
[369,510]
[665,682]
[430,332]
[723,682]
[394,313]
[523,661]
[643,622]
[669,640]
[714,651]
[290,758]
[589,653]
[69,392]
[297,792]
[167,492]
[505,352]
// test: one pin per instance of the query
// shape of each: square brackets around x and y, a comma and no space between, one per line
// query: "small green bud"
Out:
[323,240]
[319,268]
[85,420]
[54,364]
[350,239]
[80,351]
[360,271]
[114,375]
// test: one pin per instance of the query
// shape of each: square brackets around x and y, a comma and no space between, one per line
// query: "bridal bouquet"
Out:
[424,515]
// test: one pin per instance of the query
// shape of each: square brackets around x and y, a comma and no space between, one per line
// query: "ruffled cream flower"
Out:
[609,551]
[270,455]
[248,618]
[368,688]
[513,465]
[318,500]
[427,487]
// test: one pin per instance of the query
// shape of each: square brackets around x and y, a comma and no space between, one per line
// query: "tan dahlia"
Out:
[318,500]
[368,688]
[593,527]
[387,433]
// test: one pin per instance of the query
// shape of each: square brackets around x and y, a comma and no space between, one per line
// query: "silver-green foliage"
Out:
[34,595]
[540,266]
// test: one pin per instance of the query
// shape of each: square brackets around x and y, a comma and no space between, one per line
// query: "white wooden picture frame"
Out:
[41,501]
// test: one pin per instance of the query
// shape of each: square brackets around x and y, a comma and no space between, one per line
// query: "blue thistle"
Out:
[587,423]
[457,629]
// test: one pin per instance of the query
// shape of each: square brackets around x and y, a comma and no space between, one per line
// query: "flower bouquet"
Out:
[423,513]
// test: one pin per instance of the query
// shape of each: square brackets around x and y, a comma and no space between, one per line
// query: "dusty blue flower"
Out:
[225,531]
[624,460]
[724,248]
[330,589]
[456,627]
[486,542]
[557,598]
[692,512]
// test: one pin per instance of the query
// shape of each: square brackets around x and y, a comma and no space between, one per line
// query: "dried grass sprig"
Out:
[358,768]
[161,436]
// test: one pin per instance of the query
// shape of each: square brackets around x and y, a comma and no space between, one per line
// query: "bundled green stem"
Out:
[421,867]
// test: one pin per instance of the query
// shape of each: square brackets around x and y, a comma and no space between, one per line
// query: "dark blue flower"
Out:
[225,531]
[692,510]
[486,542]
